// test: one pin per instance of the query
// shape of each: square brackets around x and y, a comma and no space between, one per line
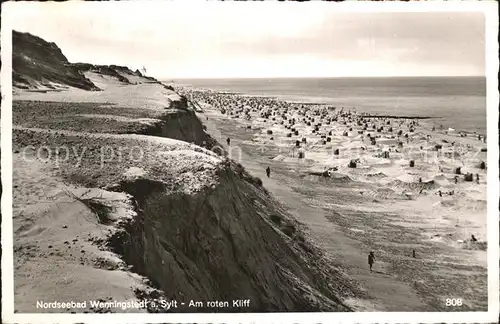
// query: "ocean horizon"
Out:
[456,102]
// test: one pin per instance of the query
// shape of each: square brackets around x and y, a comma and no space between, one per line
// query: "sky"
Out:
[247,40]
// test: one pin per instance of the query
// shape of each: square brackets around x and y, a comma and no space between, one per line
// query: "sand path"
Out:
[387,292]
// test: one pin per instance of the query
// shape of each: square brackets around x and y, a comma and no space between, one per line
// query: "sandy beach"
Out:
[382,204]
[351,178]
[341,184]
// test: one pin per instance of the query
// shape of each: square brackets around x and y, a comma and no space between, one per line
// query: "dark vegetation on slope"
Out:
[71,116]
[178,123]
[35,60]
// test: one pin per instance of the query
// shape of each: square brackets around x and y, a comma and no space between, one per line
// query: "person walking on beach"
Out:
[228,141]
[268,172]
[371,260]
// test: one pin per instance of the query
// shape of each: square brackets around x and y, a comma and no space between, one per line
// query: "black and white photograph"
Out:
[319,160]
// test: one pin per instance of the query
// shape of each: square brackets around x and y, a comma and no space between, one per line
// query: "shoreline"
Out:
[128,189]
[329,207]
[415,225]
[284,98]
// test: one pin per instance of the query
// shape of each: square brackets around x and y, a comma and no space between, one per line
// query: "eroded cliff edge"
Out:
[157,204]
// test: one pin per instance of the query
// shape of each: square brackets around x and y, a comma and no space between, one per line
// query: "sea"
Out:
[454,102]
